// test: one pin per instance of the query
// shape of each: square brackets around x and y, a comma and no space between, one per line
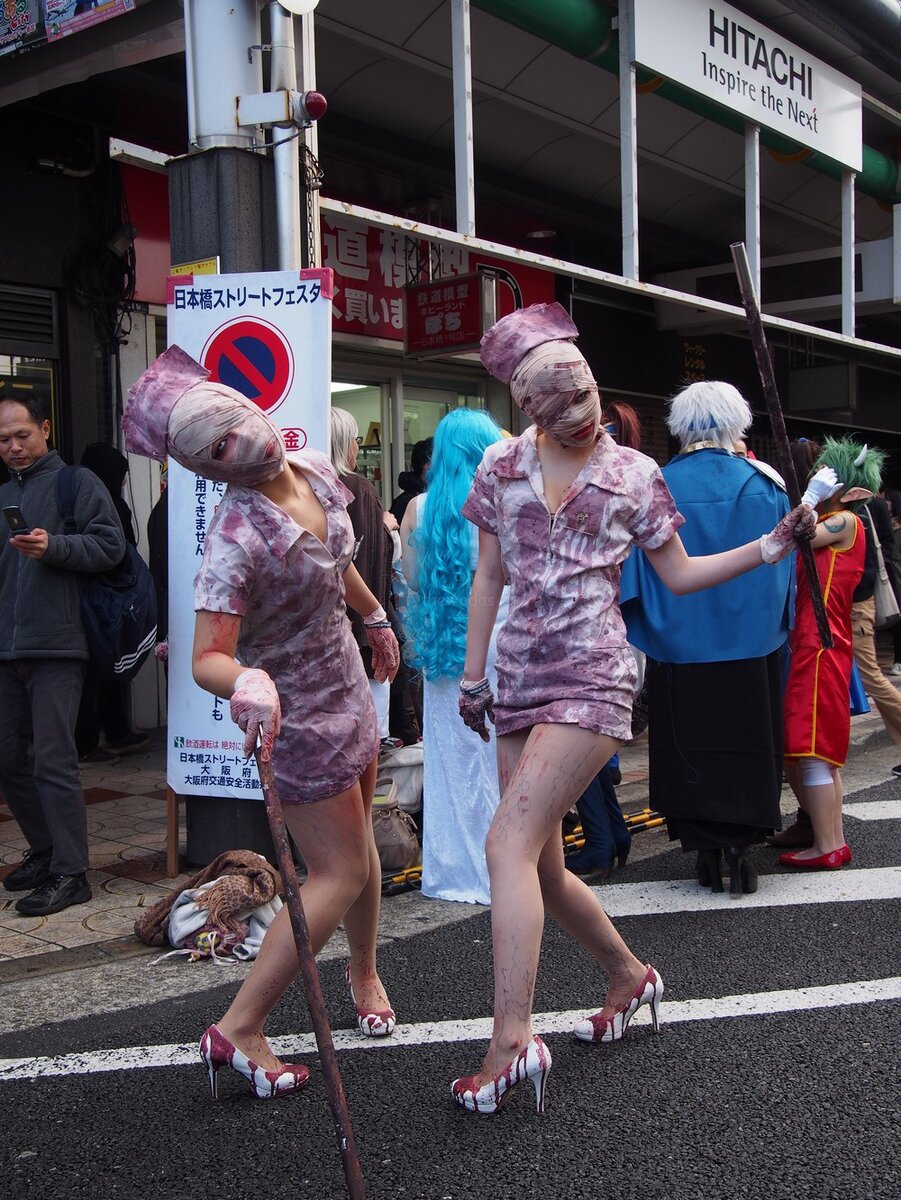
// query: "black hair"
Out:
[34,403]
[421,456]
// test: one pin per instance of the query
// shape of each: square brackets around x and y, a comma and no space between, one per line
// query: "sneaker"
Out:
[56,894]
[98,755]
[894,669]
[130,744]
[32,871]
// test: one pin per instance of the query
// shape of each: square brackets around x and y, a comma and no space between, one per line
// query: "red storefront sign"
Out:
[444,316]
[371,273]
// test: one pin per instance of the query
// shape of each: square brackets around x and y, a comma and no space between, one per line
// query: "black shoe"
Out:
[130,744]
[98,755]
[30,873]
[616,776]
[709,869]
[896,770]
[56,894]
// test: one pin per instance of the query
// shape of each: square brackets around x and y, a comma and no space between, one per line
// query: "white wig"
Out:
[342,434]
[709,411]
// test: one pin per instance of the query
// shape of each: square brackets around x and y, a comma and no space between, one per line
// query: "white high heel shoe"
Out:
[534,1063]
[598,1028]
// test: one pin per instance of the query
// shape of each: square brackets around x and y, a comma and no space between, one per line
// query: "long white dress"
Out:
[459,783]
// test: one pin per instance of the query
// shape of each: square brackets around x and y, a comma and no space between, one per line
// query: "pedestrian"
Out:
[441,550]
[44,655]
[817,714]
[106,704]
[715,692]
[413,482]
[893,499]
[271,590]
[557,510]
[372,555]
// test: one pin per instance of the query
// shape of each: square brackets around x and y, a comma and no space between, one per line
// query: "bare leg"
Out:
[362,918]
[542,774]
[823,804]
[333,836]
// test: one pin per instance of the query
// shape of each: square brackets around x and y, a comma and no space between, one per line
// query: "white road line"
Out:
[776,891]
[752,1004]
[874,810]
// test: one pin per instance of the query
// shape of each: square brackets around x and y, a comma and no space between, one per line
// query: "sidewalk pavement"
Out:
[127,829]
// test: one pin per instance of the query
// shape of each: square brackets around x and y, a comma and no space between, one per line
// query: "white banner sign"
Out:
[716,50]
[267,335]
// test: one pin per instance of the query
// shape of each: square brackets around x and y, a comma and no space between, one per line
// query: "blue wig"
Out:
[437,614]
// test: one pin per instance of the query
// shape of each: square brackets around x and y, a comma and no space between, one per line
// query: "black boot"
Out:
[742,873]
[708,866]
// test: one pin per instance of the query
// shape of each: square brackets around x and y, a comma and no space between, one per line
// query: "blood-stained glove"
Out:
[477,703]
[821,486]
[161,650]
[383,643]
[798,525]
[255,703]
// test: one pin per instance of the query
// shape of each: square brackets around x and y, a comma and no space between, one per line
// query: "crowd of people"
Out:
[550,580]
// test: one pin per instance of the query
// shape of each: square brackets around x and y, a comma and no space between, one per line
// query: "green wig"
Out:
[842,454]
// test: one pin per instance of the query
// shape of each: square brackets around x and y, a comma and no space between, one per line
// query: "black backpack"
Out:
[118,607]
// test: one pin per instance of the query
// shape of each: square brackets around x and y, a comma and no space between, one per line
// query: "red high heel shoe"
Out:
[217,1052]
[598,1028]
[823,862]
[371,1024]
[534,1062]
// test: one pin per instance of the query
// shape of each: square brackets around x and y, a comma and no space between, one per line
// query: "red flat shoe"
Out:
[823,862]
[845,852]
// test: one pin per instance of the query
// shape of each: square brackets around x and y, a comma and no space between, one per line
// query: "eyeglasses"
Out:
[359,440]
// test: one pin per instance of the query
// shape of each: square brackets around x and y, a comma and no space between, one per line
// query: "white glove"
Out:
[821,486]
[255,703]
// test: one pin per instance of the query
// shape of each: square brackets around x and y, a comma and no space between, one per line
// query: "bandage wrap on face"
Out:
[532,351]
[206,414]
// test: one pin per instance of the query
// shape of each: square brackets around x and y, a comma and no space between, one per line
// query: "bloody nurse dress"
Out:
[288,589]
[562,656]
[817,715]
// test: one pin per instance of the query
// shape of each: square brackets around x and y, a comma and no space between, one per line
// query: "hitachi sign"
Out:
[746,47]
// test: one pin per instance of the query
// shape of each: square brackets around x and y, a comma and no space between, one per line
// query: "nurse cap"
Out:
[151,399]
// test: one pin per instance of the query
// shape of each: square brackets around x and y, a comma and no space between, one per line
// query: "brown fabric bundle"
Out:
[250,881]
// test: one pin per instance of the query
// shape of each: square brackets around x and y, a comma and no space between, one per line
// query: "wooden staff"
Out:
[783,454]
[353,1175]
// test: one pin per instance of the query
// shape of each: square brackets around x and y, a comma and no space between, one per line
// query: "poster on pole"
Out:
[267,335]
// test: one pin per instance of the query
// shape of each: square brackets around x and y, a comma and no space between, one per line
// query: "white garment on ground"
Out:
[381,698]
[459,786]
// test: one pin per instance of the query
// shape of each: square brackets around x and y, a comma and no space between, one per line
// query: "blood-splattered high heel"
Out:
[598,1028]
[371,1024]
[534,1062]
[217,1052]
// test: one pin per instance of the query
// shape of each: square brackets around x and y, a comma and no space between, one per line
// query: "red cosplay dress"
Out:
[817,712]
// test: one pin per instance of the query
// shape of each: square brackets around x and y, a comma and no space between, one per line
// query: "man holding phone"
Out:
[44,653]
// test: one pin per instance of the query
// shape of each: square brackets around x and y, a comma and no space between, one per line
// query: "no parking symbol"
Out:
[253,357]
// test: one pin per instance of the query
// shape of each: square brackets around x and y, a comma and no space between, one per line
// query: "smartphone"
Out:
[15,520]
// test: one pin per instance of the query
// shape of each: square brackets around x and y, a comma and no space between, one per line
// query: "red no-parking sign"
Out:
[254,357]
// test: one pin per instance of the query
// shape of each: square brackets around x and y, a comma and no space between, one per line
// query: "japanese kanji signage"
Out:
[267,335]
[372,267]
[445,316]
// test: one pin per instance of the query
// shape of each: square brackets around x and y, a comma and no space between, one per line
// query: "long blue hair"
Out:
[437,614]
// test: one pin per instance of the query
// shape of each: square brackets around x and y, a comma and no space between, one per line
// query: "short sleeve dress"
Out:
[288,589]
[562,656]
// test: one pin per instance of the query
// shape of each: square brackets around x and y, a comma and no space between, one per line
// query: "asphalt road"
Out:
[775,1074]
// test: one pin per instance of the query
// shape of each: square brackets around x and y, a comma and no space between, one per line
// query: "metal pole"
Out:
[221,66]
[849,281]
[306,60]
[752,201]
[283,77]
[353,1175]
[780,436]
[628,137]
[463,136]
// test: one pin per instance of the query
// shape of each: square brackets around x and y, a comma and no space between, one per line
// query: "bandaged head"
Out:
[532,351]
[175,409]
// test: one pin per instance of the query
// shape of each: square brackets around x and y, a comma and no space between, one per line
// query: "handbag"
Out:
[887,611]
[395,833]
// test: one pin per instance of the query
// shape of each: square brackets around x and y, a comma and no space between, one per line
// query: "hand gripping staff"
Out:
[353,1175]
[777,421]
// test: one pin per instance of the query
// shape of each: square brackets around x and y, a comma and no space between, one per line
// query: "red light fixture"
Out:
[313,106]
